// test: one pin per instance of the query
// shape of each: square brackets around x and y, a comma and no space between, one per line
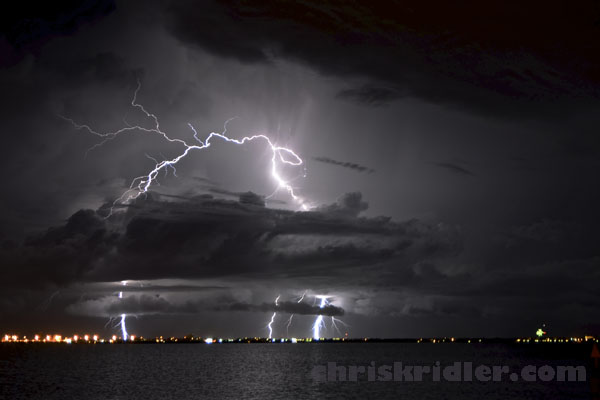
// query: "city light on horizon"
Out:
[86,339]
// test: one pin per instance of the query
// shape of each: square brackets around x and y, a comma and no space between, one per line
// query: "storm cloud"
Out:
[480,119]
[145,304]
[208,237]
[409,49]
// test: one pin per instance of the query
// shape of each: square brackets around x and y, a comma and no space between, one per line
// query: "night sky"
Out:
[451,156]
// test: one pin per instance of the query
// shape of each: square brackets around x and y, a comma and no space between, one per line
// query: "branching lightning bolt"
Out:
[334,321]
[320,322]
[141,184]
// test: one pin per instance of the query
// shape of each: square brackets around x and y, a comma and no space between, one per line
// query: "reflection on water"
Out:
[267,371]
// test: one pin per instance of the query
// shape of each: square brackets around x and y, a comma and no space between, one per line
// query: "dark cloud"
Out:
[209,237]
[454,167]
[60,254]
[150,287]
[345,164]
[377,266]
[546,241]
[350,204]
[245,196]
[289,308]
[133,305]
[497,58]
[252,199]
[24,28]
[145,304]
[371,95]
[107,67]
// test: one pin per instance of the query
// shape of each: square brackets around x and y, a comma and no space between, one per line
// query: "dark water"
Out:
[269,371]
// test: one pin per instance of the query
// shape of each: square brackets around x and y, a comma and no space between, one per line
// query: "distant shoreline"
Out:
[248,340]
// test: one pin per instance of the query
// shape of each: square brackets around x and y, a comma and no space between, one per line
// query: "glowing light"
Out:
[141,184]
[208,340]
[540,332]
[86,338]
[95,338]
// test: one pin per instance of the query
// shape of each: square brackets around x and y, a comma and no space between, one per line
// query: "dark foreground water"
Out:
[273,371]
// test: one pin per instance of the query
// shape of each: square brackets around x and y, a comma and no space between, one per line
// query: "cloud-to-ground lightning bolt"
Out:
[123,327]
[289,322]
[273,318]
[141,184]
[123,317]
[319,321]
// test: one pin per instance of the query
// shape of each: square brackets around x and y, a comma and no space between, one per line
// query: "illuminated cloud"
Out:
[146,304]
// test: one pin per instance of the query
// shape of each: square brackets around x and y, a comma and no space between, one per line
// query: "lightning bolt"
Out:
[334,321]
[287,326]
[110,319]
[319,321]
[141,184]
[289,321]
[123,317]
[123,327]
[273,318]
[302,297]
